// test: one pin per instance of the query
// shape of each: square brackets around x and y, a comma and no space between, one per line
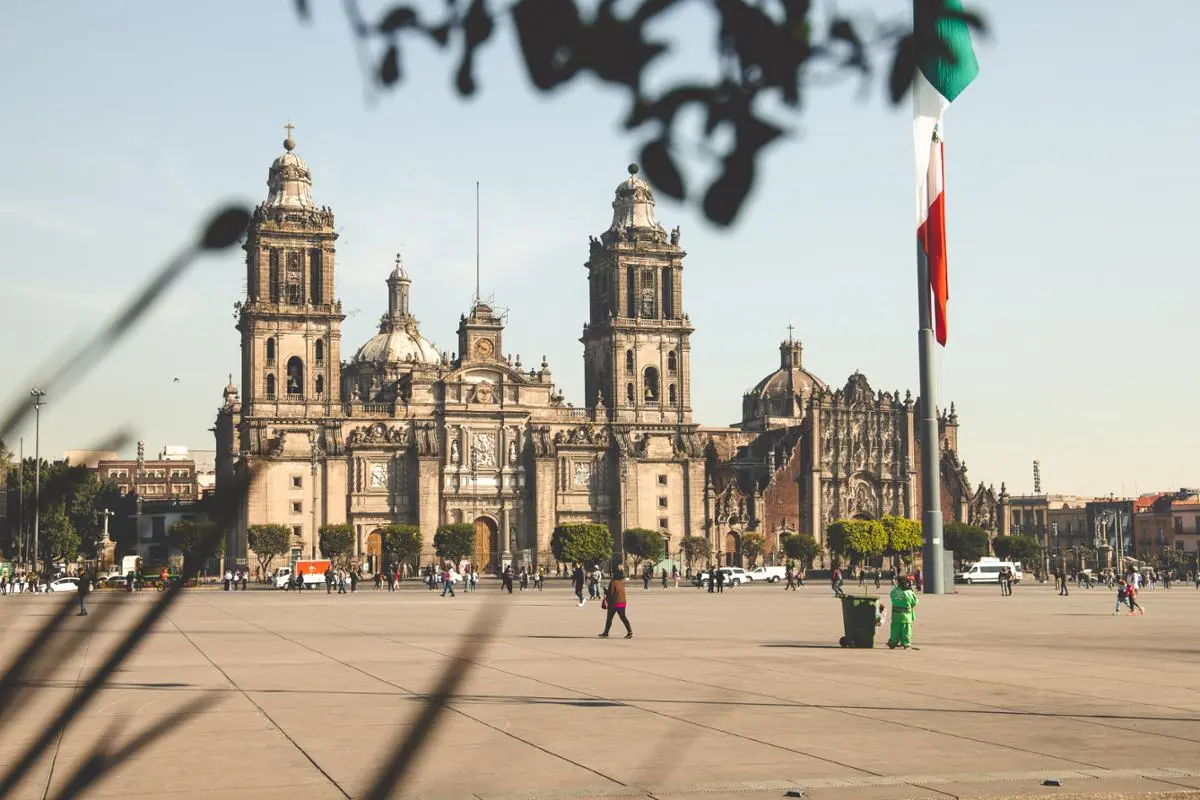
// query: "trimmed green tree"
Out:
[969,542]
[61,541]
[753,545]
[800,546]
[904,537]
[198,540]
[643,544]
[336,541]
[454,542]
[857,539]
[1020,547]
[268,543]
[583,542]
[402,544]
[695,547]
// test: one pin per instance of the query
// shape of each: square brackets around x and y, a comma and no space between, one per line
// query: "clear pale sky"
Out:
[1071,171]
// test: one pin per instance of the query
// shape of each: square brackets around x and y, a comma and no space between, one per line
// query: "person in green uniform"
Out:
[904,611]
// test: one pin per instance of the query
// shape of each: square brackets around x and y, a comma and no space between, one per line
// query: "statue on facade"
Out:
[512,452]
[675,236]
[455,455]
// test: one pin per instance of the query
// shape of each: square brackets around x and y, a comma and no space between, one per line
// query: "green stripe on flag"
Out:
[950,75]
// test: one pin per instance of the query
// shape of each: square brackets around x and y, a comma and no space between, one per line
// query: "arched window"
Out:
[650,380]
[672,362]
[671,394]
[295,377]
[319,351]
[629,393]
[270,387]
[270,352]
[319,386]
[629,361]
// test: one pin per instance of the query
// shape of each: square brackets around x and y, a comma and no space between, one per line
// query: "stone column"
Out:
[428,502]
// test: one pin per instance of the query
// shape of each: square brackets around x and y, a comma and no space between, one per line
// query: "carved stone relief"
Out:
[483,450]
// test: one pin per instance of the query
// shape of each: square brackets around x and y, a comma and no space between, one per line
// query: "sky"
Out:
[1071,174]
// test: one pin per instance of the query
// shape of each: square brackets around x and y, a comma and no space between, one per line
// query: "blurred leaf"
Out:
[904,68]
[726,194]
[303,11]
[548,31]
[478,27]
[617,50]
[842,30]
[440,34]
[399,17]
[389,68]
[661,170]
[225,229]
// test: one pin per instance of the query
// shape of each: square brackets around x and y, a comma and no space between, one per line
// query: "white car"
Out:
[734,576]
[768,574]
[62,585]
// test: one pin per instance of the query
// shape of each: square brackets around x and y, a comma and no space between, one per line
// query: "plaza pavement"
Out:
[744,694]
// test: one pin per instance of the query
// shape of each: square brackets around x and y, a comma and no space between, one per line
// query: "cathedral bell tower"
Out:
[289,321]
[637,356]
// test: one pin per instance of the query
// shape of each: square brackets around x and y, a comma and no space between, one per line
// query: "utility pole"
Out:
[38,402]
[22,544]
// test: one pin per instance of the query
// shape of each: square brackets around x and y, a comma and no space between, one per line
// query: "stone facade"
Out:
[403,433]
[805,455]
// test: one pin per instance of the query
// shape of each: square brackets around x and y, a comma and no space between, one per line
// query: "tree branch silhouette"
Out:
[766,51]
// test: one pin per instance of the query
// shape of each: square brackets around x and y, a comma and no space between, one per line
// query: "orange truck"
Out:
[313,572]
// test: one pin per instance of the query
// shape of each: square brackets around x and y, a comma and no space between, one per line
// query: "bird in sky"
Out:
[176,380]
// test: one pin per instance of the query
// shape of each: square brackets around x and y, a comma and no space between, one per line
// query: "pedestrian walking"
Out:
[447,582]
[85,587]
[1122,596]
[577,579]
[904,613]
[664,577]
[615,602]
[835,582]
[1062,585]
[1135,607]
[646,578]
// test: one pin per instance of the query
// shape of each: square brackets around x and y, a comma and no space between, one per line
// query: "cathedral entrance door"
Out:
[375,552]
[485,545]
[733,549]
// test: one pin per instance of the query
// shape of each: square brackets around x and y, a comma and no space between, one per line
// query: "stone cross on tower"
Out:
[791,328]
[289,127]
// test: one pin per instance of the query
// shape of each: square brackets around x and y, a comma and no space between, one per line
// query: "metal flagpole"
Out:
[931,491]
[476,241]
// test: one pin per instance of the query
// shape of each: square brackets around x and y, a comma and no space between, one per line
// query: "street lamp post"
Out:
[38,401]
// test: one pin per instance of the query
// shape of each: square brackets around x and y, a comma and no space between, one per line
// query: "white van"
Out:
[987,570]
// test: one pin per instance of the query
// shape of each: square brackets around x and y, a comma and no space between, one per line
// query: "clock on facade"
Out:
[484,348]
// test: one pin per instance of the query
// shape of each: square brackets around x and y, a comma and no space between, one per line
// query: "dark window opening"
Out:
[672,362]
[629,393]
[295,377]
[314,275]
[270,387]
[650,380]
[319,351]
[276,280]
[319,386]
[270,352]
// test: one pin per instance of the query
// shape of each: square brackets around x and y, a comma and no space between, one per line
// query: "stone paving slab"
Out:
[743,694]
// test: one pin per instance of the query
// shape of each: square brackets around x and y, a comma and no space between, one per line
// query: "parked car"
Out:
[62,585]
[768,574]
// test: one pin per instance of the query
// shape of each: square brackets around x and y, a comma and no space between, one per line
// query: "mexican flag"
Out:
[939,80]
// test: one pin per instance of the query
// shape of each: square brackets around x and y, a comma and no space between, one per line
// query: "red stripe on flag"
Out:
[932,234]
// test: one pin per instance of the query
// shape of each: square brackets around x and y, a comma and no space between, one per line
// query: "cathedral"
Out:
[403,433]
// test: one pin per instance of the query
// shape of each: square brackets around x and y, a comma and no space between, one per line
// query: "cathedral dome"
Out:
[399,339]
[633,206]
[398,345]
[781,393]
[289,180]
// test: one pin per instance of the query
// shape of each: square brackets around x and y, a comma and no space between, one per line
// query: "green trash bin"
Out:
[858,617]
